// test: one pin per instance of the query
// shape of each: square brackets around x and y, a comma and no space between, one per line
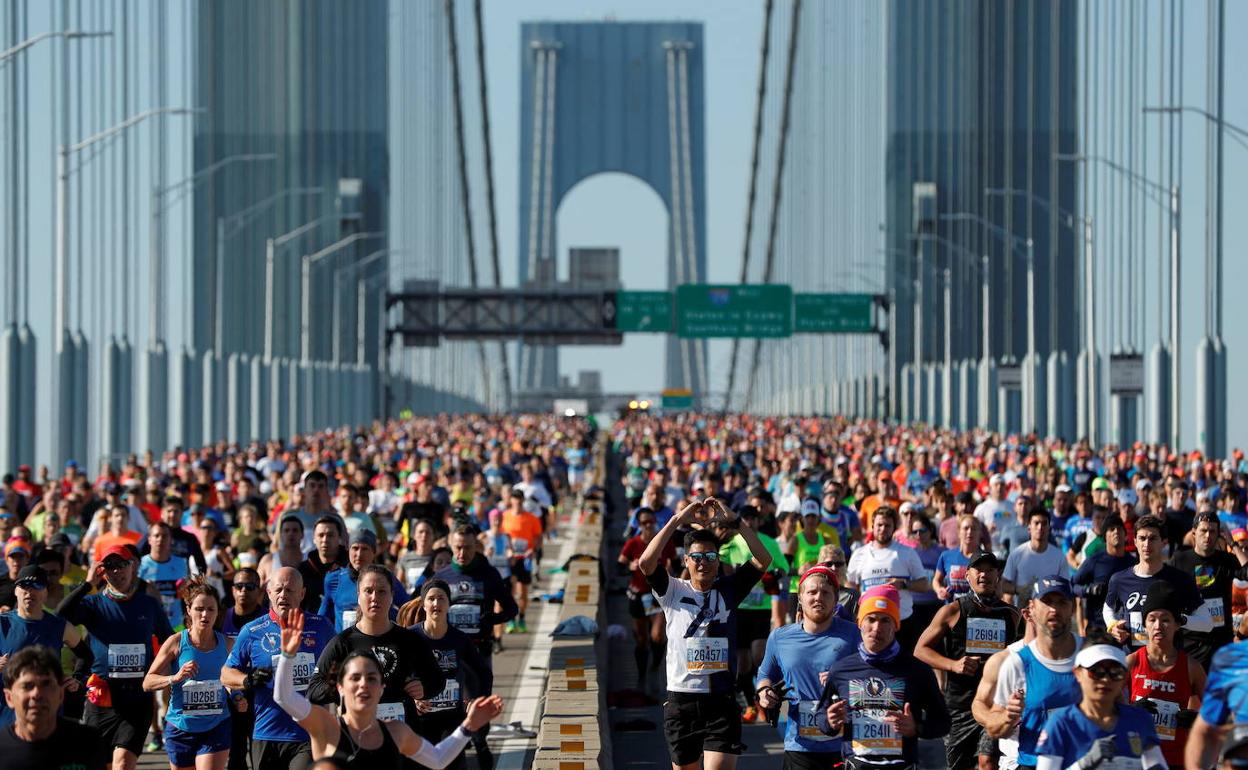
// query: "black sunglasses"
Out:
[710,557]
[645,522]
[246,586]
[1112,673]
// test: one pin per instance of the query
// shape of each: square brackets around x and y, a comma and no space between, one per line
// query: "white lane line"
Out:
[527,702]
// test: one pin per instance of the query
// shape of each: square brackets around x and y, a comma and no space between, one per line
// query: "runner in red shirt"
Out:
[1171,682]
[647,615]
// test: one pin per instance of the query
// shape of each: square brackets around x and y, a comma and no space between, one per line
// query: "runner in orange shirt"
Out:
[525,530]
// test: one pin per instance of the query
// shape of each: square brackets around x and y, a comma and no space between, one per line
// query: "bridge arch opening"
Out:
[617,210]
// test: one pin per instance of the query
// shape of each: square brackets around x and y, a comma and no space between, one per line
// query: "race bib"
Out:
[808,721]
[872,736]
[413,574]
[519,545]
[706,655]
[202,698]
[390,712]
[448,698]
[465,617]
[349,617]
[303,667]
[1216,609]
[1166,719]
[985,636]
[1136,621]
[127,661]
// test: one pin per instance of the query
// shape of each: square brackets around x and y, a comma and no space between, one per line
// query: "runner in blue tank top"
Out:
[198,720]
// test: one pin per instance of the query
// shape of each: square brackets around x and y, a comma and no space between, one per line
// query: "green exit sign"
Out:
[833,313]
[732,310]
[643,311]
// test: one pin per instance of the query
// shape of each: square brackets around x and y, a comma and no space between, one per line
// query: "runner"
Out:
[121,621]
[525,530]
[164,571]
[249,605]
[1165,680]
[1091,581]
[1032,560]
[467,674]
[340,602]
[288,552]
[959,640]
[701,720]
[409,670]
[1099,731]
[1128,589]
[198,721]
[28,623]
[647,615]
[949,577]
[886,562]
[328,555]
[277,743]
[796,656]
[1215,572]
[358,737]
[1036,678]
[881,700]
[38,738]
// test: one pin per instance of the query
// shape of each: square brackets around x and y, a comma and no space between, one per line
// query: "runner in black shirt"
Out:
[39,740]
[410,672]
[1214,570]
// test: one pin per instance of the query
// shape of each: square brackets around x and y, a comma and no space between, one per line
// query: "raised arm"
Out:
[654,549]
[317,720]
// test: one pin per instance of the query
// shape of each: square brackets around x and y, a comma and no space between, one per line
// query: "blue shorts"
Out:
[182,747]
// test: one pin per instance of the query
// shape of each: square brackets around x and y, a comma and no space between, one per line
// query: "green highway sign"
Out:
[833,313]
[643,311]
[733,310]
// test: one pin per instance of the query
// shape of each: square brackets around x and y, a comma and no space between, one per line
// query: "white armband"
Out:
[443,753]
[284,694]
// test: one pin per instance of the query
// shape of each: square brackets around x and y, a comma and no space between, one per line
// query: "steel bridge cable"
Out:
[527,353]
[752,195]
[785,111]
[548,239]
[464,192]
[483,91]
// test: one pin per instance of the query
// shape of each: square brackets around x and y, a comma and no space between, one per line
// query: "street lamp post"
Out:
[1160,194]
[68,34]
[271,245]
[355,267]
[71,412]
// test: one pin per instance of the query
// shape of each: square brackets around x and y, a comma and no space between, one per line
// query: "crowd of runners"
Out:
[1033,603]
[335,601]
[330,602]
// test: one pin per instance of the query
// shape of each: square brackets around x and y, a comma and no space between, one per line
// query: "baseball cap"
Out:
[32,576]
[1128,497]
[1099,653]
[996,478]
[1051,584]
[119,551]
[1063,488]
[1099,483]
[365,537]
[980,557]
[60,540]
[811,507]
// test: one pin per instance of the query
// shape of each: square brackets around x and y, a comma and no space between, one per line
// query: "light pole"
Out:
[354,267]
[1088,367]
[68,34]
[1211,351]
[305,320]
[271,245]
[1029,254]
[1161,194]
[71,411]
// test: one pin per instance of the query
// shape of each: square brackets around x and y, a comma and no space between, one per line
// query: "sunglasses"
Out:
[246,586]
[919,531]
[710,557]
[1112,673]
[113,566]
[646,522]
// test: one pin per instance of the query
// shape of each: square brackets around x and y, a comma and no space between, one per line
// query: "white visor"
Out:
[1090,656]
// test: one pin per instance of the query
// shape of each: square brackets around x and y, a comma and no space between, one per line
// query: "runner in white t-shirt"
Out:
[884,561]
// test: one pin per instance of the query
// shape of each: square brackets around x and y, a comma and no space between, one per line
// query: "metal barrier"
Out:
[574,733]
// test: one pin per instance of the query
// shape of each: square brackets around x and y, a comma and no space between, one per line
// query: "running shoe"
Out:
[522,627]
[511,627]
[750,714]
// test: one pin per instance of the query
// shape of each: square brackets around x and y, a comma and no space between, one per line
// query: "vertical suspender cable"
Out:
[489,185]
[464,193]
[528,354]
[785,111]
[749,203]
[548,237]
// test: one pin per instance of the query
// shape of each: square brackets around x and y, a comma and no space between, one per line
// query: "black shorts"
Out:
[637,607]
[280,755]
[812,760]
[520,572]
[752,625]
[122,726]
[962,744]
[695,723]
